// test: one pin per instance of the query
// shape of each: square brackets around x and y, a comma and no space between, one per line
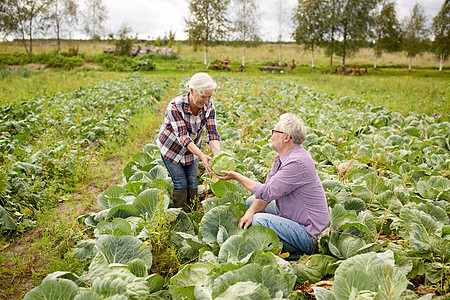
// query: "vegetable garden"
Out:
[386,177]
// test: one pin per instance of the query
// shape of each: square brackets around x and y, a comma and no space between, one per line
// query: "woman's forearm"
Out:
[214,145]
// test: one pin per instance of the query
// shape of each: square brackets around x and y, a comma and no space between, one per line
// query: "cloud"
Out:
[153,18]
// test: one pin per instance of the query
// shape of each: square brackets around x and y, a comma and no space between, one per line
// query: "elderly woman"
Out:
[180,137]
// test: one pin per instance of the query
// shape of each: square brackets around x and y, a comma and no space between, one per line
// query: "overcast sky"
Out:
[152,18]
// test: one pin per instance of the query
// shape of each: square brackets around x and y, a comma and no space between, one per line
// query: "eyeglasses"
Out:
[273,131]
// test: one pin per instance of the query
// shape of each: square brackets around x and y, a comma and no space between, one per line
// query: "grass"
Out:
[45,83]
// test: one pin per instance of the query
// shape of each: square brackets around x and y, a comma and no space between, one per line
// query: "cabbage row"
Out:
[387,186]
[44,141]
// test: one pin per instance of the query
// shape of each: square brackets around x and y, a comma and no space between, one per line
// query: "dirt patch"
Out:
[31,66]
[90,65]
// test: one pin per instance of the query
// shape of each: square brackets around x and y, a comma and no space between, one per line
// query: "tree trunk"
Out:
[206,55]
[31,37]
[441,61]
[58,40]
[375,61]
[410,63]
[312,54]
[24,41]
[243,55]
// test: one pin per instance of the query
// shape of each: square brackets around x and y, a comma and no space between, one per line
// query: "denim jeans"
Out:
[288,231]
[183,177]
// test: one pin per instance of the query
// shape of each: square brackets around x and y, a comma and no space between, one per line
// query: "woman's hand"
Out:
[205,160]
[228,175]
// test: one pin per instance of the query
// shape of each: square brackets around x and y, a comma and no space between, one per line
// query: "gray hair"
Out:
[201,82]
[294,126]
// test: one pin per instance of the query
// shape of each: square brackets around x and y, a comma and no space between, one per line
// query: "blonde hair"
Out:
[294,126]
[201,82]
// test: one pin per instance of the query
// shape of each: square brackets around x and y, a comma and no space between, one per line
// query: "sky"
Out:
[150,19]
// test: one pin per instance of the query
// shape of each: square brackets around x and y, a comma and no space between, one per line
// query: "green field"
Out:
[388,101]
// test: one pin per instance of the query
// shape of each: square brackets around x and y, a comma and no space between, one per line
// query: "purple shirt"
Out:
[294,183]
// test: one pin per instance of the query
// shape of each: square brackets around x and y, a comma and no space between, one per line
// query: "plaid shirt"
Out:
[180,127]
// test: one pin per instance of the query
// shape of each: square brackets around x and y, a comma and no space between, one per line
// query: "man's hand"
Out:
[245,221]
[228,175]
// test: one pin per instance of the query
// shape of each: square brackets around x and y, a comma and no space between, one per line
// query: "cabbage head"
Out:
[223,161]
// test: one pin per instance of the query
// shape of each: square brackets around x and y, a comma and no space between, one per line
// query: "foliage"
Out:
[28,17]
[46,142]
[441,30]
[310,25]
[94,17]
[208,22]
[61,15]
[19,72]
[415,32]
[124,41]
[223,161]
[387,30]
[387,225]
[245,23]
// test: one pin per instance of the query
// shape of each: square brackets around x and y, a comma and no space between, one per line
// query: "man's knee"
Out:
[259,219]
[250,200]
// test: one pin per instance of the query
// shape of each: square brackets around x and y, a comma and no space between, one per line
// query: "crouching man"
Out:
[292,201]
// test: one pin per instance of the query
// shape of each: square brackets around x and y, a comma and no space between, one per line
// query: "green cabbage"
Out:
[223,161]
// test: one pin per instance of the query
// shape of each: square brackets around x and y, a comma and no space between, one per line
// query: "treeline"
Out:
[342,27]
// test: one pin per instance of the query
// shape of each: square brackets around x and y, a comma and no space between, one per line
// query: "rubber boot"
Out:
[192,199]
[180,199]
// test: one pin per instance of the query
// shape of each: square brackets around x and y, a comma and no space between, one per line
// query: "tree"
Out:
[310,25]
[124,41]
[29,16]
[387,31]
[415,33]
[246,23]
[8,22]
[208,22]
[62,15]
[94,16]
[330,19]
[354,20]
[441,31]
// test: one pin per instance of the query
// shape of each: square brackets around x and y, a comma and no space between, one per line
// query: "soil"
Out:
[36,67]
[31,66]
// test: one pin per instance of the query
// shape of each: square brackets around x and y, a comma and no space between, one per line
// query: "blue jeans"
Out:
[288,231]
[183,177]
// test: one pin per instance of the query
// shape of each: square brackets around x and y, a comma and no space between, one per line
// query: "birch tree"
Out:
[8,21]
[355,20]
[207,22]
[29,16]
[387,31]
[62,16]
[94,17]
[441,31]
[415,33]
[309,25]
[246,23]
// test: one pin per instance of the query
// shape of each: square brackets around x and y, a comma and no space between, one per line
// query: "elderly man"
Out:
[292,200]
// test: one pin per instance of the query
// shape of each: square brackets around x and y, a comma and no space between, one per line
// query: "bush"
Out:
[114,63]
[67,63]
[19,72]
[143,63]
